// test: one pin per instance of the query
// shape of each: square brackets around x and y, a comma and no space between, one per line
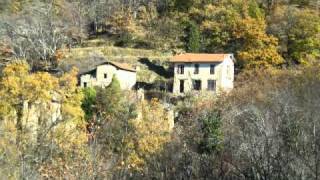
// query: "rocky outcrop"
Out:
[39,117]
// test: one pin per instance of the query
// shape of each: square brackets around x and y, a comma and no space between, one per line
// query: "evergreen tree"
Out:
[193,38]
[89,102]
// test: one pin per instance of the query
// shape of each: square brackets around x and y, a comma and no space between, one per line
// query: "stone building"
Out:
[103,73]
[203,72]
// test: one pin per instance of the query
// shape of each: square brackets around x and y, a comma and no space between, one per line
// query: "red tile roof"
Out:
[191,57]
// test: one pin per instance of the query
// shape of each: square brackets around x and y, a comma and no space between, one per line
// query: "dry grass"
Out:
[131,56]
[128,55]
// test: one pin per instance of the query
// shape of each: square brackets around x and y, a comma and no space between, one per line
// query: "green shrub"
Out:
[125,40]
[89,102]
[213,138]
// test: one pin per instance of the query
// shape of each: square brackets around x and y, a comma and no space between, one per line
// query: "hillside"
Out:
[266,126]
[151,64]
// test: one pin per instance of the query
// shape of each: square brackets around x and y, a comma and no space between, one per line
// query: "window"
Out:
[196,85]
[211,85]
[196,69]
[180,69]
[105,76]
[212,66]
[181,86]
[94,73]
[85,84]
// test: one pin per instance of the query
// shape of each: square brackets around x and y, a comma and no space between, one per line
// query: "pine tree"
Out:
[193,38]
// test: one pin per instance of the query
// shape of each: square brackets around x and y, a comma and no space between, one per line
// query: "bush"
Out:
[89,102]
[125,40]
[212,138]
[161,95]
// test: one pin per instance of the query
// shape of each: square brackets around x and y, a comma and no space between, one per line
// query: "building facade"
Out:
[102,75]
[203,72]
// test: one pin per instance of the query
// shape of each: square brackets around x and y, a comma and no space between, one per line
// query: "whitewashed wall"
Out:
[224,75]
[127,79]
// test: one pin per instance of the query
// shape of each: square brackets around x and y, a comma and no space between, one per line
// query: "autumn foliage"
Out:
[21,91]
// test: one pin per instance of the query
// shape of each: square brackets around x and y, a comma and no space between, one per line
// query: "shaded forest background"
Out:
[260,32]
[266,128]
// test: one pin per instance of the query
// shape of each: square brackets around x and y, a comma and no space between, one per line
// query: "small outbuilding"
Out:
[103,73]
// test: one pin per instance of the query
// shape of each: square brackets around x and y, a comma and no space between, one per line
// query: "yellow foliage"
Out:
[72,96]
[151,132]
[19,68]
[19,86]
[259,49]
[124,21]
[39,86]
[241,25]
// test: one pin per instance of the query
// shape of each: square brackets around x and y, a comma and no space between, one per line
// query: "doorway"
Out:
[181,86]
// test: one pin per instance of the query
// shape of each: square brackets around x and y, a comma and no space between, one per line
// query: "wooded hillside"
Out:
[261,33]
[267,127]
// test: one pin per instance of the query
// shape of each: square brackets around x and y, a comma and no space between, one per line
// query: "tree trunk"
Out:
[19,111]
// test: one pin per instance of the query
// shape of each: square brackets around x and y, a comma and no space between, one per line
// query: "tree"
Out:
[109,100]
[186,5]
[297,31]
[212,140]
[109,126]
[193,149]
[193,37]
[226,27]
[303,36]
[150,132]
[270,134]
[35,34]
[112,118]
[45,120]
[18,87]
[88,103]
[258,49]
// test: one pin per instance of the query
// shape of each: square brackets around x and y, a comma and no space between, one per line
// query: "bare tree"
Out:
[35,34]
[271,127]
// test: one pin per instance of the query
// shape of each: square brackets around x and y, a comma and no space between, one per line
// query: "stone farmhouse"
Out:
[103,73]
[203,72]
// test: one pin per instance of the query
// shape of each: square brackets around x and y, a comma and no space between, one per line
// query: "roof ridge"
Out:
[199,57]
[124,66]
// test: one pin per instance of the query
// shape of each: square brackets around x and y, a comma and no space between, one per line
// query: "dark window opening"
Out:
[196,69]
[196,85]
[85,84]
[180,69]
[211,85]
[212,66]
[105,76]
[94,73]
[181,86]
